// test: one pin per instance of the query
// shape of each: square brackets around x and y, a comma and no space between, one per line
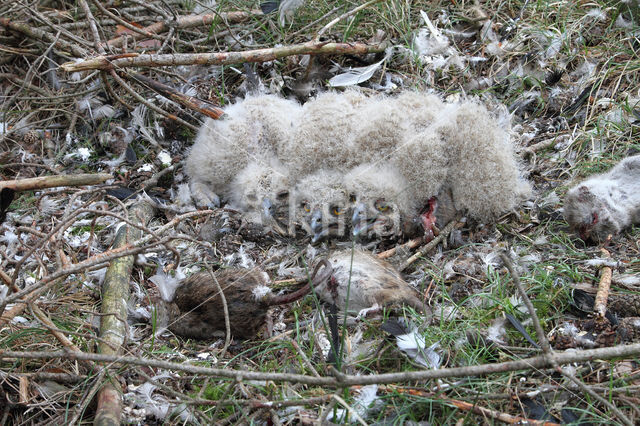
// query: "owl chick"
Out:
[246,132]
[384,123]
[485,179]
[605,204]
[384,200]
[424,157]
[262,191]
[367,281]
[322,205]
[322,138]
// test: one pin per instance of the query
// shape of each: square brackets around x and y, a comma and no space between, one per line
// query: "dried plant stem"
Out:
[411,244]
[142,100]
[600,306]
[43,182]
[503,417]
[345,15]
[227,322]
[542,337]
[140,33]
[111,62]
[113,327]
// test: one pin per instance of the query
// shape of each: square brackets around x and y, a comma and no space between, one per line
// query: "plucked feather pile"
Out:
[347,163]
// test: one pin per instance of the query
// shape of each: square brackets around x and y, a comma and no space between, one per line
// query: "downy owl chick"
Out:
[605,204]
[322,138]
[245,132]
[486,179]
[322,204]
[384,201]
[368,281]
[262,191]
[424,158]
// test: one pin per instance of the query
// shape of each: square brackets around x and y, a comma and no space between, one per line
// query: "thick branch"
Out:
[113,327]
[220,58]
[537,362]
[31,184]
[185,22]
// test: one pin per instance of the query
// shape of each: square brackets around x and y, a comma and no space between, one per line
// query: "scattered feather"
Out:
[287,10]
[165,158]
[4,290]
[362,403]
[48,206]
[166,283]
[497,331]
[84,153]
[354,76]
[261,291]
[204,7]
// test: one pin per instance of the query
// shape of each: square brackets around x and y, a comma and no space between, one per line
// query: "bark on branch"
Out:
[186,22]
[113,327]
[537,362]
[31,184]
[109,62]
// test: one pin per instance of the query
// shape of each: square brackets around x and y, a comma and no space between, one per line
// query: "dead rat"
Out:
[605,204]
[368,280]
[197,312]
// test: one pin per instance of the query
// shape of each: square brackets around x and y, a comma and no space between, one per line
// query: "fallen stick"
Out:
[168,92]
[43,182]
[113,321]
[111,62]
[115,293]
[493,414]
[411,244]
[431,245]
[185,22]
[600,305]
[44,36]
[340,379]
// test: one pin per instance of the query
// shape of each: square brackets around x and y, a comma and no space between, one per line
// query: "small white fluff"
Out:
[166,283]
[261,291]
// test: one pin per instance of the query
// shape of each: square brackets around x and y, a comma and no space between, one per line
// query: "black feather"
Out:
[553,77]
[6,197]
[269,6]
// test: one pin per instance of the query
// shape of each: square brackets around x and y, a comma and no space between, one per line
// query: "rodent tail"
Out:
[321,273]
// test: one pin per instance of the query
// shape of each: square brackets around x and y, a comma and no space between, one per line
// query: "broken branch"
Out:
[109,62]
[43,182]
[184,22]
[600,305]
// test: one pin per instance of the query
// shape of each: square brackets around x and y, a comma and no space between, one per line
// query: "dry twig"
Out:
[600,306]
